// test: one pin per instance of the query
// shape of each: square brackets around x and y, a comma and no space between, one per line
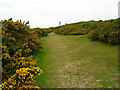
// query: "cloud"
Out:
[47,13]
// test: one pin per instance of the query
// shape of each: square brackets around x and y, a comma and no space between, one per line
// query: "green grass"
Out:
[76,62]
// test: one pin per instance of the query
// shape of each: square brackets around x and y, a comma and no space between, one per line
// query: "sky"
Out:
[48,13]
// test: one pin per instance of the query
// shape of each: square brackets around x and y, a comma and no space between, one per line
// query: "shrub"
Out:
[105,31]
[18,44]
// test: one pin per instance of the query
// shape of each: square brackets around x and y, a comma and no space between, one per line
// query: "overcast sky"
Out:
[48,13]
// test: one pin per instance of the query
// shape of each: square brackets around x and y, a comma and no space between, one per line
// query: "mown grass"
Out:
[76,62]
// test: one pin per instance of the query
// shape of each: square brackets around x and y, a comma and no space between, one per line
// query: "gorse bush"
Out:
[41,32]
[17,35]
[105,31]
[19,42]
[70,30]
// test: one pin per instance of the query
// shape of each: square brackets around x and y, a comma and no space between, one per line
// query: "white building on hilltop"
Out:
[59,23]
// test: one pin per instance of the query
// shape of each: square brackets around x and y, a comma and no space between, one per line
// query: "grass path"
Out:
[76,62]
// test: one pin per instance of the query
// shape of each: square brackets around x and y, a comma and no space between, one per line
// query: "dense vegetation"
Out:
[19,42]
[107,31]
